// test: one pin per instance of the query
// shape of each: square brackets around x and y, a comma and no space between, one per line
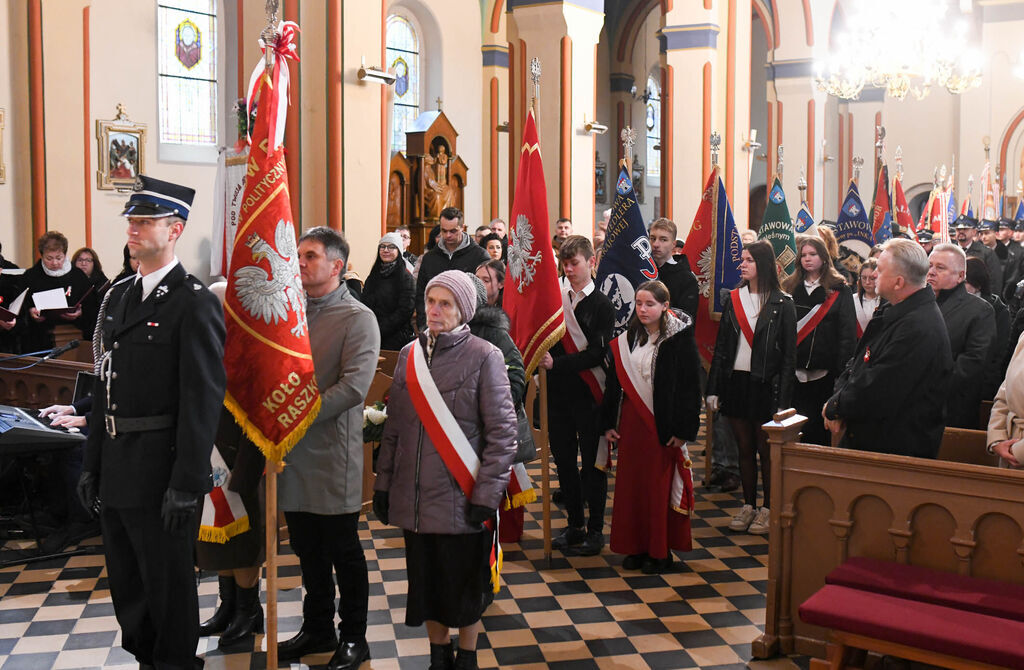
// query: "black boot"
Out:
[466,660]
[442,656]
[248,618]
[218,623]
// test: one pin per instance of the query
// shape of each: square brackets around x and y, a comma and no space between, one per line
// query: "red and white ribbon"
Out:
[224,514]
[681,496]
[284,49]
[639,390]
[741,315]
[574,342]
[520,488]
[810,321]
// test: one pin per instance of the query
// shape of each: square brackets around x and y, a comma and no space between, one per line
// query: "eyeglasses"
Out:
[387,247]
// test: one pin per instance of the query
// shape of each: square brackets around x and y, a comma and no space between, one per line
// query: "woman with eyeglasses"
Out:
[390,291]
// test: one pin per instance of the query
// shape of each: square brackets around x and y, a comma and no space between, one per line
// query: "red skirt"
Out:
[643,521]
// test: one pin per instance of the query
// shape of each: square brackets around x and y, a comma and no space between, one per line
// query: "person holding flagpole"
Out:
[826,332]
[651,409]
[753,372]
[443,469]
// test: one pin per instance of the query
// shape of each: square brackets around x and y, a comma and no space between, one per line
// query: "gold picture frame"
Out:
[3,165]
[121,151]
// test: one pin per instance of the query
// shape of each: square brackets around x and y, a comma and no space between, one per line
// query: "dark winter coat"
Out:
[423,495]
[892,393]
[995,268]
[773,356]
[492,324]
[392,299]
[681,283]
[831,344]
[466,257]
[971,327]
[677,396]
[75,283]
[997,363]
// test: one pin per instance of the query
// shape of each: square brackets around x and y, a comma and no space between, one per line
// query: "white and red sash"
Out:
[741,316]
[224,514]
[811,320]
[451,443]
[681,495]
[639,390]
[574,342]
[520,490]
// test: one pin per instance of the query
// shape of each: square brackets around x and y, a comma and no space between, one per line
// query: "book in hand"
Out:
[10,313]
[49,303]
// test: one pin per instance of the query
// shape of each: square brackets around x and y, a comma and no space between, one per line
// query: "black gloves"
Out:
[478,514]
[89,493]
[178,509]
[381,504]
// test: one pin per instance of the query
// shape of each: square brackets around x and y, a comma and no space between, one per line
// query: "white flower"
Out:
[375,416]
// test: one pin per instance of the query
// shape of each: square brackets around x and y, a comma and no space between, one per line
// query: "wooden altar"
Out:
[428,177]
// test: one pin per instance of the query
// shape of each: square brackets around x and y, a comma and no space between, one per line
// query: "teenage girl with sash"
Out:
[651,408]
[752,372]
[826,332]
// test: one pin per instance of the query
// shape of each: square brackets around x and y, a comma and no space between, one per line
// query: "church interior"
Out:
[399,108]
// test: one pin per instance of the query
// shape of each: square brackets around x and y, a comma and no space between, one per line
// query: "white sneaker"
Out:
[761,522]
[743,518]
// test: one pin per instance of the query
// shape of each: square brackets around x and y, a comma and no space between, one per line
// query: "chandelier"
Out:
[901,46]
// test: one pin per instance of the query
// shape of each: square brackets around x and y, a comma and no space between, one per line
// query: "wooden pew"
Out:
[829,504]
[51,382]
[379,388]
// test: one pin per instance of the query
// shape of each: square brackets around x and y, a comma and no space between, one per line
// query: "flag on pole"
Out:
[714,251]
[627,261]
[1019,216]
[777,228]
[804,221]
[853,231]
[967,207]
[989,195]
[272,391]
[532,297]
[881,212]
[901,211]
[227,203]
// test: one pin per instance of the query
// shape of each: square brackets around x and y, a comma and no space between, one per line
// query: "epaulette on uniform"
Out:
[194,284]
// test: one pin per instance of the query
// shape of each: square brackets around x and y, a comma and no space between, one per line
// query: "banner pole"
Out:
[270,521]
[545,465]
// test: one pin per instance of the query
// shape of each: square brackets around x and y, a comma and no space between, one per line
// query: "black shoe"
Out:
[633,561]
[69,535]
[570,537]
[248,618]
[558,497]
[349,655]
[716,477]
[307,643]
[729,483]
[225,611]
[466,660]
[591,545]
[442,657]
[657,566]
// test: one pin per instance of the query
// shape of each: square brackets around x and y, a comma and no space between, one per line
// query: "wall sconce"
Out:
[593,127]
[375,74]
[825,158]
[502,127]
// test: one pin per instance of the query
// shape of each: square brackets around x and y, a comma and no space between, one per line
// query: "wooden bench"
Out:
[920,614]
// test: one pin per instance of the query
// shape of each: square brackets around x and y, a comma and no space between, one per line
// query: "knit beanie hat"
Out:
[462,288]
[392,238]
[481,290]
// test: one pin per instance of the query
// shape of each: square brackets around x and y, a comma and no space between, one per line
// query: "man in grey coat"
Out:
[321,485]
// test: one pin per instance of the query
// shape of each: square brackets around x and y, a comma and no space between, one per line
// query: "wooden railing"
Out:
[829,504]
[50,382]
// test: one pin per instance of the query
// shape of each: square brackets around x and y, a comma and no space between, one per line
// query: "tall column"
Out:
[564,38]
[799,127]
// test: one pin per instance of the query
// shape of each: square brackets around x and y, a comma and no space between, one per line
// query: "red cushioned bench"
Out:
[983,596]
[948,637]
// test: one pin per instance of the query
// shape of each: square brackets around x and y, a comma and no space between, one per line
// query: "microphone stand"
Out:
[47,353]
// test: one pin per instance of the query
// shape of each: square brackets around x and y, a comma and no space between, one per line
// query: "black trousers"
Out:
[323,542]
[153,586]
[808,399]
[573,430]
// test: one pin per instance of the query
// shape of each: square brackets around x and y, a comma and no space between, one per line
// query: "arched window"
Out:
[403,55]
[187,68]
[652,121]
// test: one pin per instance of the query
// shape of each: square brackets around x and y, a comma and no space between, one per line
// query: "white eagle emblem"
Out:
[522,265]
[272,297]
[706,270]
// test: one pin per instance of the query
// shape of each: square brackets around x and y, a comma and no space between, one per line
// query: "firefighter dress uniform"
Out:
[156,406]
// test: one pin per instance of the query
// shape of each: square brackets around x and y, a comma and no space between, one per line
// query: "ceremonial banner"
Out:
[532,297]
[627,261]
[714,250]
[853,232]
[901,211]
[272,391]
[804,221]
[1019,215]
[227,205]
[881,213]
[989,195]
[967,207]
[777,228]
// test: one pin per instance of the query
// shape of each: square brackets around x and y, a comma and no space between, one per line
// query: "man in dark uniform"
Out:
[155,412]
[966,232]
[1010,254]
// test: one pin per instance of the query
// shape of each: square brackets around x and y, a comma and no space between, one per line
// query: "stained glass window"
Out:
[403,54]
[652,120]
[187,64]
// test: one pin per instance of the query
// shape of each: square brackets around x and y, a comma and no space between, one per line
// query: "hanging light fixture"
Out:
[904,47]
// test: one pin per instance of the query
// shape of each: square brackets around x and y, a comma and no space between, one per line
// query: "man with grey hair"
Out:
[971,327]
[891,396]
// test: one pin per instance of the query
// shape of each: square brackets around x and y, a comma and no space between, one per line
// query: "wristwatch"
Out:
[991,448]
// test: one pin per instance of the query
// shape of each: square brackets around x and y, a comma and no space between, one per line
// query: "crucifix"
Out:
[438,101]
[535,78]
[715,142]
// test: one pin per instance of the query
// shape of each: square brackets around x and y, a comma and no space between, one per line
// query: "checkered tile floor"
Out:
[577,613]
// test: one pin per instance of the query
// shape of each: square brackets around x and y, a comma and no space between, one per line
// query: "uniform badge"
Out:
[867,354]
[138,186]
[152,324]
[161,290]
[197,286]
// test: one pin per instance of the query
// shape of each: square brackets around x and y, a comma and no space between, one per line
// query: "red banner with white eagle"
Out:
[532,296]
[272,391]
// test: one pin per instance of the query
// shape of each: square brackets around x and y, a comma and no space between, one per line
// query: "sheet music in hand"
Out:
[11,313]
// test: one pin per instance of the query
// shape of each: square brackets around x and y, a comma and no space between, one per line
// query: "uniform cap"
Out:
[986,225]
[1005,222]
[965,222]
[152,198]
[924,236]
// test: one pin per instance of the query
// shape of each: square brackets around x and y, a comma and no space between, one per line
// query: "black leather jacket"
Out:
[773,357]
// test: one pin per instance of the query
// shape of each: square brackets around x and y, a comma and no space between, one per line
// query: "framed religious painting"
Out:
[121,151]
[3,165]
